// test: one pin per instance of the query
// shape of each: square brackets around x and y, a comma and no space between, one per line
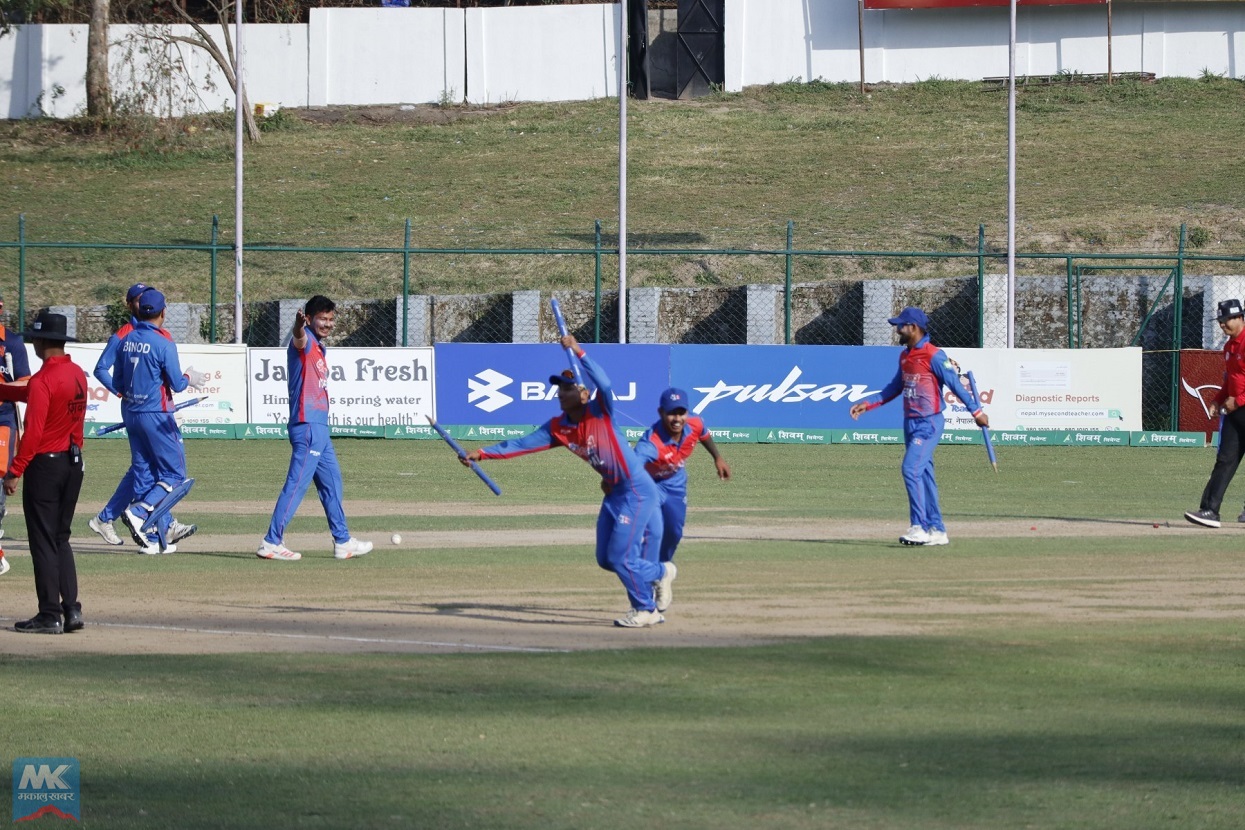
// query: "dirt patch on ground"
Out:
[404,598]
[393,114]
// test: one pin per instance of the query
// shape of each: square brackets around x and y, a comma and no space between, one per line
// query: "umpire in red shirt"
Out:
[51,457]
[1230,403]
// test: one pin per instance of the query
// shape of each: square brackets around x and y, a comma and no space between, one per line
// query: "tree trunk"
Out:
[98,89]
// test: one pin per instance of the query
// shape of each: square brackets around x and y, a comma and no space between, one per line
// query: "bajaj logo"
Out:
[485,390]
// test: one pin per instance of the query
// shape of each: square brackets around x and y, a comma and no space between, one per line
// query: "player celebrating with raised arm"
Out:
[311,445]
[586,427]
[664,448]
[923,370]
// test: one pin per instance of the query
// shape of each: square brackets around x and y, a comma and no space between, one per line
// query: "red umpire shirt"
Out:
[55,401]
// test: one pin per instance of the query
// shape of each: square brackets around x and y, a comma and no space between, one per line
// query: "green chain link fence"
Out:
[405,295]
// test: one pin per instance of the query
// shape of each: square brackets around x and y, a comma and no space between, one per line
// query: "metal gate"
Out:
[699,62]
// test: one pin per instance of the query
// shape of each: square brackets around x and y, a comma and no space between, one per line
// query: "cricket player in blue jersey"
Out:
[14,366]
[312,457]
[146,373]
[665,448]
[102,522]
[632,502]
[924,370]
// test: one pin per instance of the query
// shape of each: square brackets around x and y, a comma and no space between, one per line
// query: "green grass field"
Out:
[1045,681]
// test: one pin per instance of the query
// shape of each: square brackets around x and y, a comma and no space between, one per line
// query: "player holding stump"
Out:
[664,448]
[311,445]
[586,427]
[924,369]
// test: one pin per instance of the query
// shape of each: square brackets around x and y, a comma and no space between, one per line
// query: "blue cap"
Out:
[150,303]
[913,315]
[673,399]
[135,290]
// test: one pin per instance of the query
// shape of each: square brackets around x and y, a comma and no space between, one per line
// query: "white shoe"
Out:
[178,531]
[105,529]
[350,548]
[135,525]
[278,551]
[663,589]
[637,618]
[938,537]
[4,565]
[916,535]
[151,547]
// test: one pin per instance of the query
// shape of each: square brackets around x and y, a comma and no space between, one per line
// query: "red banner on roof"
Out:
[958,4]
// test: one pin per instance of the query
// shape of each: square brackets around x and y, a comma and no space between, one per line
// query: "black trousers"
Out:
[1231,449]
[49,497]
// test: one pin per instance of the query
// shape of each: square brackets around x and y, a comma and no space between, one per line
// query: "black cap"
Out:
[49,326]
[1229,309]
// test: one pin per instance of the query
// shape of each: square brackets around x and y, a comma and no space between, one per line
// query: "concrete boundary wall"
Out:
[1113,309]
[552,53]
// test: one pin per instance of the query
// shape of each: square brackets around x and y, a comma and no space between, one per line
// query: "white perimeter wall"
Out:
[554,53]
[779,40]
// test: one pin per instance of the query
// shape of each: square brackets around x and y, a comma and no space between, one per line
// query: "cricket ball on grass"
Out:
[396,538]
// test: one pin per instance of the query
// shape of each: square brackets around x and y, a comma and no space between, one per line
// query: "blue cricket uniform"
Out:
[665,459]
[632,504]
[124,494]
[13,347]
[312,457]
[924,369]
[146,372]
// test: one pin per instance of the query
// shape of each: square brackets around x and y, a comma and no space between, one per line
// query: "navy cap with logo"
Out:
[912,315]
[150,303]
[1229,309]
[566,378]
[135,292]
[672,399]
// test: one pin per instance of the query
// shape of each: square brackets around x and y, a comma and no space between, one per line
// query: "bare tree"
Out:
[98,89]
[226,60]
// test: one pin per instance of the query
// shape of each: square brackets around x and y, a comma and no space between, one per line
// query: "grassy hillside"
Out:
[912,168]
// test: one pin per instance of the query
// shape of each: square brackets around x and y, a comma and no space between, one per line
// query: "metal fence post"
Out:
[786,311]
[1071,303]
[21,271]
[596,315]
[212,288]
[981,286]
[1178,330]
[406,281]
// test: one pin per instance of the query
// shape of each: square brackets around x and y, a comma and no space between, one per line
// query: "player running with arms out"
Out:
[664,448]
[102,522]
[924,369]
[586,427]
[312,457]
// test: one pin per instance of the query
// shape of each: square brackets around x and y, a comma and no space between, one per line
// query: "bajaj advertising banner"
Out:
[480,383]
[790,387]
[814,387]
